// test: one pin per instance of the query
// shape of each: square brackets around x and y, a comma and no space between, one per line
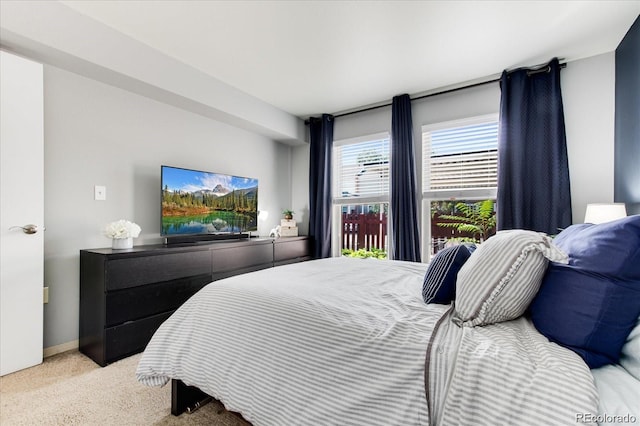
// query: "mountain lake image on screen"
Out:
[197,202]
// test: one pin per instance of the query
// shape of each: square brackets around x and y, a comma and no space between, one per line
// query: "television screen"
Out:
[197,202]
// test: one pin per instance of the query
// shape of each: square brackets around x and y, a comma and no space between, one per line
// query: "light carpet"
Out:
[70,389]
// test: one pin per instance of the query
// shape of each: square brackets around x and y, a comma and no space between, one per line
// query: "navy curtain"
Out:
[405,239]
[533,170]
[321,141]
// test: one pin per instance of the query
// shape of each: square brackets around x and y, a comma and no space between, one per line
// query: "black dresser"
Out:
[126,294]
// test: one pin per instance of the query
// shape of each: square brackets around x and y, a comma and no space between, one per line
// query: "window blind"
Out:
[362,169]
[461,157]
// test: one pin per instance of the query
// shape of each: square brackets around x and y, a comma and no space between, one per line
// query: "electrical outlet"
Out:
[99,193]
[45,294]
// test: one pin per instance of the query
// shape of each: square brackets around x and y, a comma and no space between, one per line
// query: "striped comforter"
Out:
[343,342]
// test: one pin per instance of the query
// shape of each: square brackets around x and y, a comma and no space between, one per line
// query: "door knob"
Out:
[27,229]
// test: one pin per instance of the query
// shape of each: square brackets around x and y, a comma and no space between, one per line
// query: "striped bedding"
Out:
[343,341]
[507,374]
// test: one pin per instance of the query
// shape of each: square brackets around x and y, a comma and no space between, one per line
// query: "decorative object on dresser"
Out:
[275,232]
[288,214]
[288,228]
[122,232]
[126,295]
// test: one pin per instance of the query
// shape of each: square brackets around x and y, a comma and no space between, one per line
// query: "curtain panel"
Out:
[405,238]
[321,144]
[533,170]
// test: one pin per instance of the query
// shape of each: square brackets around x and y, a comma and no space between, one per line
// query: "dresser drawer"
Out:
[143,301]
[141,270]
[241,257]
[130,338]
[226,274]
[285,250]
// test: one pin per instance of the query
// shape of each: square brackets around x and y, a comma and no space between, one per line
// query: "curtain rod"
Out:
[442,92]
[532,71]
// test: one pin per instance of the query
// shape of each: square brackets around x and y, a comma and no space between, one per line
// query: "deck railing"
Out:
[364,231]
[369,230]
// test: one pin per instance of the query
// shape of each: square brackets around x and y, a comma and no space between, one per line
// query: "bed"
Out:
[352,342]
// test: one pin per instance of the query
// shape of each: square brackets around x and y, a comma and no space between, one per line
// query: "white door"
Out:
[21,203]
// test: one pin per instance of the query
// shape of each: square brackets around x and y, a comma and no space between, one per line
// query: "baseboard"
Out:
[58,349]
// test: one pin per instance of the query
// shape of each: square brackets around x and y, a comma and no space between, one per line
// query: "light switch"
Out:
[99,193]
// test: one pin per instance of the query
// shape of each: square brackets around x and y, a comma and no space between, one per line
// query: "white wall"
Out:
[96,134]
[588,97]
[300,187]
[588,91]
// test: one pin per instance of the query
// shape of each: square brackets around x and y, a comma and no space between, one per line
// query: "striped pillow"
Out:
[439,284]
[502,276]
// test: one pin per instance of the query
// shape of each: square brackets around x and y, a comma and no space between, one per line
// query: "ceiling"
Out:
[311,57]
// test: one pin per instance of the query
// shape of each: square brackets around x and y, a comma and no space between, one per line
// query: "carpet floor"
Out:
[70,389]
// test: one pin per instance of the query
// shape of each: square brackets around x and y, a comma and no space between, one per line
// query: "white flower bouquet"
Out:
[122,229]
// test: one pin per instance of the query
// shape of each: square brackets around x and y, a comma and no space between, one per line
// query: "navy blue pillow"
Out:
[611,248]
[592,304]
[439,284]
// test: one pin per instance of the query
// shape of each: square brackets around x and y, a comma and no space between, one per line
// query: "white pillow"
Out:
[619,393]
[630,354]
[502,277]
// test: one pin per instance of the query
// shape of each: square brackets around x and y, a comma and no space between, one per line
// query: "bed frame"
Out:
[186,398]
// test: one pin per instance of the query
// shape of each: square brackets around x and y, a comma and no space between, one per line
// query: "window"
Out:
[361,194]
[459,181]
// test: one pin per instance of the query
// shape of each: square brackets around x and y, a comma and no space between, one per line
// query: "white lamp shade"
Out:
[600,213]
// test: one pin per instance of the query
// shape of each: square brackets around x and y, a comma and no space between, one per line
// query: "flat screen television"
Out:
[199,203]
